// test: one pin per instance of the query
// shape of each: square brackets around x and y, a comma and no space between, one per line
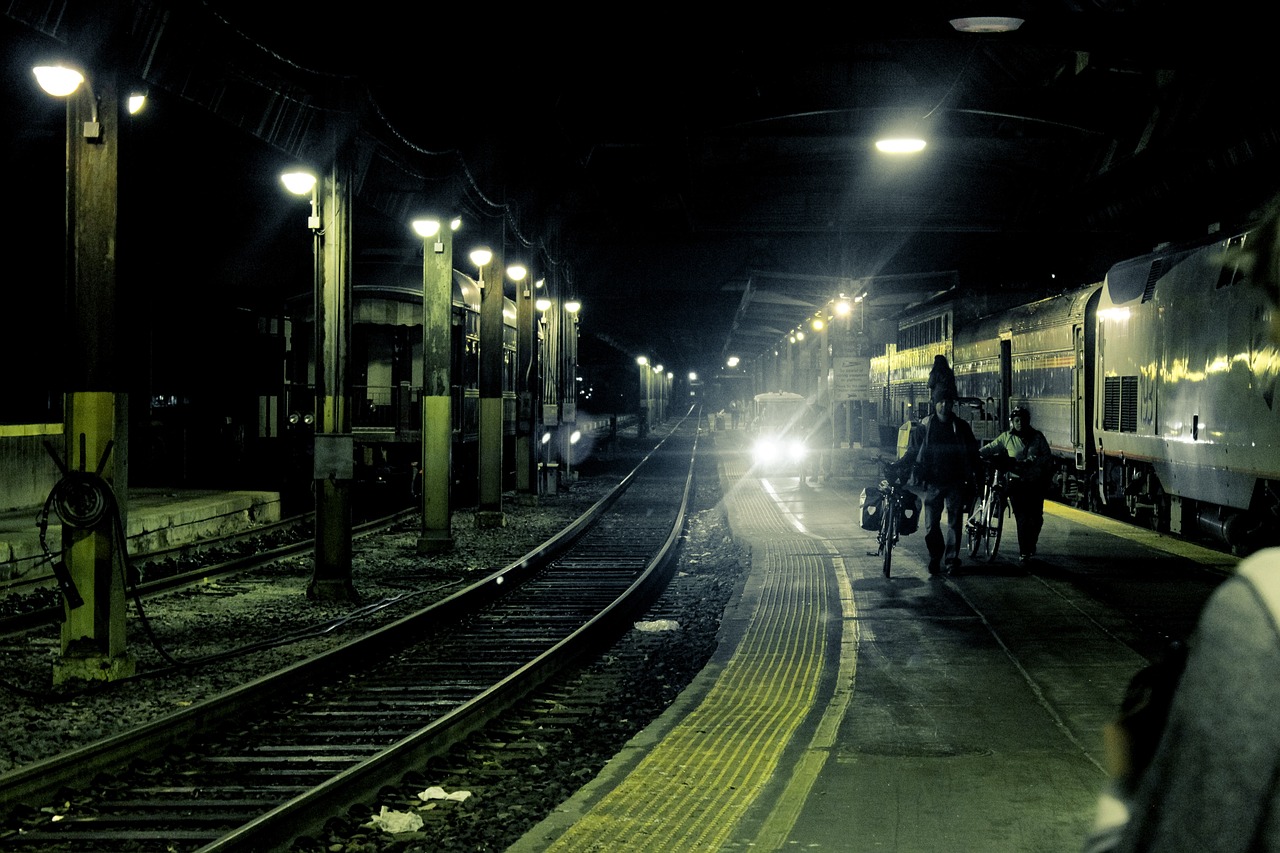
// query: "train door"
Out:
[1004,403]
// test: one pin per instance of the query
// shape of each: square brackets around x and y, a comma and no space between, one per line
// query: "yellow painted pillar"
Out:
[489,512]
[334,461]
[437,402]
[93,634]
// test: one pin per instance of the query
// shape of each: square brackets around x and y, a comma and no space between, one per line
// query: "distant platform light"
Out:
[900,145]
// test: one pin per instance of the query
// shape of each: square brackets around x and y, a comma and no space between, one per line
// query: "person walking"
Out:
[942,378]
[943,453]
[814,428]
[1025,448]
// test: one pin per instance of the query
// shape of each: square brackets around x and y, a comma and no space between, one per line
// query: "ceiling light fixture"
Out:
[986,24]
[900,145]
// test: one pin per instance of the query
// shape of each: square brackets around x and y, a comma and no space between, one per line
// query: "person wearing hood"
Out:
[1028,452]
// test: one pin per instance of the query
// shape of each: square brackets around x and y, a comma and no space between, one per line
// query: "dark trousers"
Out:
[936,500]
[1027,503]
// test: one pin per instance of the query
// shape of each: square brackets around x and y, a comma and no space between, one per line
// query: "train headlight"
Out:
[772,450]
[766,450]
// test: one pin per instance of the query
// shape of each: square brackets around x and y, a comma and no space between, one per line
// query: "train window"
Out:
[1159,267]
[1231,274]
[923,333]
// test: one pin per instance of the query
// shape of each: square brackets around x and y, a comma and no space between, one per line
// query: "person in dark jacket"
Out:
[944,455]
[942,379]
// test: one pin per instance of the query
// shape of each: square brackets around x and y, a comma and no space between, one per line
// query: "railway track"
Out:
[339,729]
[34,601]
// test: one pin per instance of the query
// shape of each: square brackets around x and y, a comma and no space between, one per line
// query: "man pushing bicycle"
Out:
[944,454]
[1031,457]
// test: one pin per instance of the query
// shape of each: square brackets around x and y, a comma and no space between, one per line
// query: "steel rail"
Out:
[19,622]
[77,768]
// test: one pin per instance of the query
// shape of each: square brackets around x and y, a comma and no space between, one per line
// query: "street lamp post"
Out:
[489,512]
[96,419]
[334,456]
[658,371]
[569,385]
[642,427]
[437,402]
[526,374]
[548,409]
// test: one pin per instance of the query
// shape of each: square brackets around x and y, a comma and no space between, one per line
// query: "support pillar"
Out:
[489,513]
[437,403]
[334,469]
[526,378]
[93,634]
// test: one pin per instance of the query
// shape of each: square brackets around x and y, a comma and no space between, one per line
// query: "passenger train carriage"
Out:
[1155,388]
[386,368]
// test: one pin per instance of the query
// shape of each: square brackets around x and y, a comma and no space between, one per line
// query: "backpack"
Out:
[1144,708]
[1131,741]
[919,467]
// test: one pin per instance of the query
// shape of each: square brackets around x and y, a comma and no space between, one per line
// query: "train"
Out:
[1155,387]
[386,358]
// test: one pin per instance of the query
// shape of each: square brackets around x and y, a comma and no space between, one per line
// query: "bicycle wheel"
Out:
[995,524]
[975,529]
[986,535]
[889,529]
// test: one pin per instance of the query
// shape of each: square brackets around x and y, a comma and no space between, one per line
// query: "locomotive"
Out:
[386,385]
[1154,387]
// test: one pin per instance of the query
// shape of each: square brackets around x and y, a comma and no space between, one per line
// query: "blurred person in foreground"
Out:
[1212,784]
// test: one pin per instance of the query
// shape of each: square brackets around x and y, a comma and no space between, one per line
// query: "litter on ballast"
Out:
[437,793]
[389,820]
[658,625]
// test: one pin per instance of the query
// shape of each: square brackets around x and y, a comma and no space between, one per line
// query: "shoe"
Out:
[935,566]
[1027,556]
[953,564]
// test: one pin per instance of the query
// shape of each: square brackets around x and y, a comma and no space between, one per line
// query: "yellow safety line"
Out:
[1143,536]
[773,835]
[691,790]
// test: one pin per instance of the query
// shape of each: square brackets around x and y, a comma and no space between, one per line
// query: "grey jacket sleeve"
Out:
[1213,782]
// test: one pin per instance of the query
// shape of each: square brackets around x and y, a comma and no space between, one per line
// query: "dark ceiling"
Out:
[703,187]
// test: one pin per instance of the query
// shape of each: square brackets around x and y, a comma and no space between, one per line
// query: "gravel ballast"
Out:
[630,687]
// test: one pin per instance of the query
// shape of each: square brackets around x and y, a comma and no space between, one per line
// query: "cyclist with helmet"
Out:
[1028,452]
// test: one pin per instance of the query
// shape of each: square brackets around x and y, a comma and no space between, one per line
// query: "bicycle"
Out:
[986,520]
[899,510]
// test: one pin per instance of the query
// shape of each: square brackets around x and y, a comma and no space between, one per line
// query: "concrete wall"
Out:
[27,471]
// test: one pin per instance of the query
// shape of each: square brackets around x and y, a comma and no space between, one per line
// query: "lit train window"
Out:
[1231,274]
[1159,267]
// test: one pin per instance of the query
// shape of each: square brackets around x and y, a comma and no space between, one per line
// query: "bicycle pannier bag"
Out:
[871,508]
[910,519]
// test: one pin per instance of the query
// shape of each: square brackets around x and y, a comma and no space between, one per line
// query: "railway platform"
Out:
[157,518]
[846,711]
